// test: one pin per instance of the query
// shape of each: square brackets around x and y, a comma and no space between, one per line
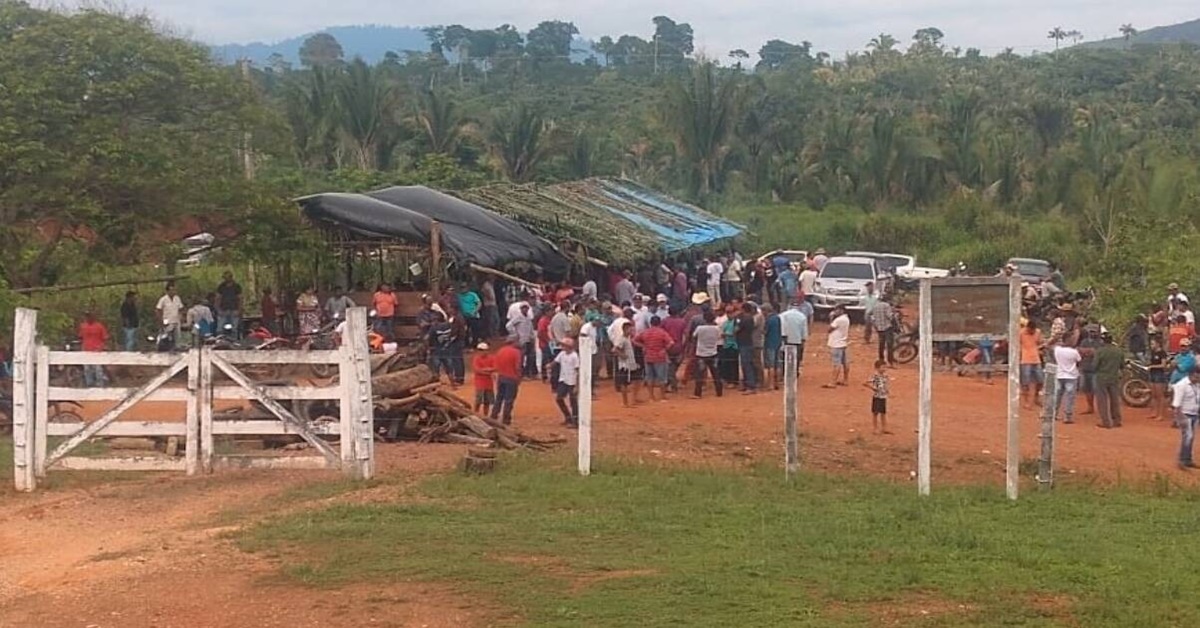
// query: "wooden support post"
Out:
[358,380]
[1049,410]
[587,342]
[1012,471]
[41,411]
[435,255]
[790,402]
[925,390]
[206,410]
[24,386]
[192,421]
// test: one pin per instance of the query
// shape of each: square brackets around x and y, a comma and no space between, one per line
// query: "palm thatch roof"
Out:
[618,220]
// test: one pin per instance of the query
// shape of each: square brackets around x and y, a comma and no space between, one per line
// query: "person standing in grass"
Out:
[484,367]
[838,343]
[566,390]
[1185,401]
[879,396]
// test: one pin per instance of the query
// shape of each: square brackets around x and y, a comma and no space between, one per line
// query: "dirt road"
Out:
[150,550]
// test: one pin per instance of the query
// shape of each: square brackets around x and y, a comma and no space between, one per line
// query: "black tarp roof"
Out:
[470,233]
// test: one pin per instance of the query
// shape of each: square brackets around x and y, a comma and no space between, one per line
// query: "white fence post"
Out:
[1013,453]
[358,380]
[191,439]
[24,382]
[790,430]
[42,411]
[925,390]
[587,344]
[205,398]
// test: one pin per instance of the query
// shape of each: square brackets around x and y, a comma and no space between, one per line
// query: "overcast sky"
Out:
[720,25]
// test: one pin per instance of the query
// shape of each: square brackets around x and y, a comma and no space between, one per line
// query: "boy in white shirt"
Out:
[568,382]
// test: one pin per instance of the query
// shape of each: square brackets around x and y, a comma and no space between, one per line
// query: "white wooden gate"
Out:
[34,397]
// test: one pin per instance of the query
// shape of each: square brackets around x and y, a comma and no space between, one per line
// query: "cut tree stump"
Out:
[474,465]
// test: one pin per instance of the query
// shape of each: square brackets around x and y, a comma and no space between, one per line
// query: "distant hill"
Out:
[1185,32]
[371,42]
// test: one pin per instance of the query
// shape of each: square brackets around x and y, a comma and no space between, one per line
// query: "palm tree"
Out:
[311,111]
[1128,31]
[1057,34]
[882,43]
[519,142]
[366,101]
[700,114]
[439,121]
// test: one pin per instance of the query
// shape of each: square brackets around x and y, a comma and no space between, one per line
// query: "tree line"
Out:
[127,128]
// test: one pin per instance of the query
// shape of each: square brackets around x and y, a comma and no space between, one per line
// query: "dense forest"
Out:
[113,134]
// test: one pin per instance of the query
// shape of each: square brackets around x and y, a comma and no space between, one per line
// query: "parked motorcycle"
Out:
[907,340]
[225,341]
[1135,384]
[69,375]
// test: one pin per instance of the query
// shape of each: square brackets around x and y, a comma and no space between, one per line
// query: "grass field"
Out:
[652,547]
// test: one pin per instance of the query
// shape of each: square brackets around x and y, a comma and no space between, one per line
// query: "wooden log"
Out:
[400,383]
[433,387]
[478,466]
[463,439]
[392,405]
[478,426]
[453,398]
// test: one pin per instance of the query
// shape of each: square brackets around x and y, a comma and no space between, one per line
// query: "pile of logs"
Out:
[411,404]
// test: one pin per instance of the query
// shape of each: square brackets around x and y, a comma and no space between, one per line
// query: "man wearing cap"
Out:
[1063,329]
[1184,309]
[838,343]
[1185,400]
[661,307]
[641,314]
[1173,295]
[1066,359]
[508,379]
[1107,363]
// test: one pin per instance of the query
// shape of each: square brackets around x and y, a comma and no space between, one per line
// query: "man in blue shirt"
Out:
[772,344]
[469,304]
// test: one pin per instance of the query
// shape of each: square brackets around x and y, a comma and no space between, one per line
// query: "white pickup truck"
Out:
[902,268]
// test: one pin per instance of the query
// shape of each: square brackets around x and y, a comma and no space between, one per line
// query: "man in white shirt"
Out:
[1066,360]
[838,343]
[566,385]
[641,314]
[733,278]
[793,324]
[808,281]
[1185,309]
[589,291]
[1173,296]
[169,309]
[521,326]
[1185,399]
[715,269]
[514,310]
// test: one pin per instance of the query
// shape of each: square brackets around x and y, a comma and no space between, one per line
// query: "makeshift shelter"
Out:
[618,220]
[469,234]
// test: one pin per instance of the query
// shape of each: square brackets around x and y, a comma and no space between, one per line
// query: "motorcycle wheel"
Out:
[1136,393]
[906,352]
[262,372]
[322,371]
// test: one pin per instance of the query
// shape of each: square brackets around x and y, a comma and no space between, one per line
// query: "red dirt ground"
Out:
[148,551]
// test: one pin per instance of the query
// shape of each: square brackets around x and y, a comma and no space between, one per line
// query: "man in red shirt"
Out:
[676,327]
[483,366]
[507,364]
[543,338]
[655,343]
[93,336]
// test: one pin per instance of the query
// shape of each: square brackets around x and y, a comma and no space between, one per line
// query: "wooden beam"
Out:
[280,356]
[205,402]
[128,402]
[435,256]
[192,417]
[280,392]
[102,284]
[24,388]
[925,389]
[41,411]
[265,462]
[112,358]
[502,275]
[120,463]
[273,406]
[270,428]
[1012,465]
[791,454]
[356,378]
[122,428]
[586,344]
[967,337]
[62,393]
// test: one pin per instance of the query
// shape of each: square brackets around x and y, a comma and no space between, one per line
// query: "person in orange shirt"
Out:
[484,367]
[1032,344]
[93,336]
[508,378]
[1176,333]
[384,303]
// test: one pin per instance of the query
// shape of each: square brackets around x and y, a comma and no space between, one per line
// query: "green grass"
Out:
[650,547]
